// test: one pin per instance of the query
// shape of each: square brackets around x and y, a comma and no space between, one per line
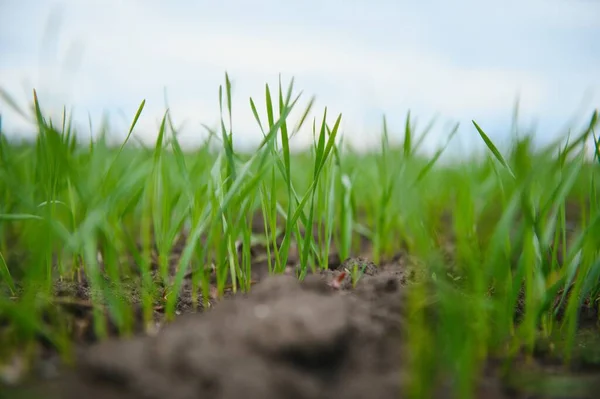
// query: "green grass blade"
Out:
[12,103]
[407,137]
[6,276]
[493,149]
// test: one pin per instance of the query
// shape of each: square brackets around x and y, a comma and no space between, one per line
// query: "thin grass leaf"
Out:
[493,149]
[407,137]
[435,158]
[12,103]
[20,216]
[307,110]
[426,131]
[6,276]
[255,113]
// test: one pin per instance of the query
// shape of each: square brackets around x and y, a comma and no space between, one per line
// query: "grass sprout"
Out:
[506,246]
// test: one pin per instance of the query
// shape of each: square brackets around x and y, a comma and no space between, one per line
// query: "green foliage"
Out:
[523,228]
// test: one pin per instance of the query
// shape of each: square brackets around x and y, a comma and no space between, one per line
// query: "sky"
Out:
[456,61]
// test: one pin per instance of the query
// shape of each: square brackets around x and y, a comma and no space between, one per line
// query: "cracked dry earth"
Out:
[285,339]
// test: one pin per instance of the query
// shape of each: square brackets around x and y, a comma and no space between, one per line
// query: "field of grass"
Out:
[506,246]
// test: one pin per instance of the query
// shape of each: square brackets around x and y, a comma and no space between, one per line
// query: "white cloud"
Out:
[396,61]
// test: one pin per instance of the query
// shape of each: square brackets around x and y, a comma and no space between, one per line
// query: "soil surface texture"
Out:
[326,336]
[319,338]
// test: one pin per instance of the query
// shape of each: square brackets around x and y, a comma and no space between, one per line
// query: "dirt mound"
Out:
[286,339]
[323,337]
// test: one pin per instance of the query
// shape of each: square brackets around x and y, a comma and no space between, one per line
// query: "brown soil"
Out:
[321,337]
[318,338]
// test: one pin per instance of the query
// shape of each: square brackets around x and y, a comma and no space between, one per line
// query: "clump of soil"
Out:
[314,338]
[285,339]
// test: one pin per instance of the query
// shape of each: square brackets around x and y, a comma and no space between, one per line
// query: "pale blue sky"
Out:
[462,59]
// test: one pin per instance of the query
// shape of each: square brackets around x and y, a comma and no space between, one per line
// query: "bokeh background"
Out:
[460,60]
